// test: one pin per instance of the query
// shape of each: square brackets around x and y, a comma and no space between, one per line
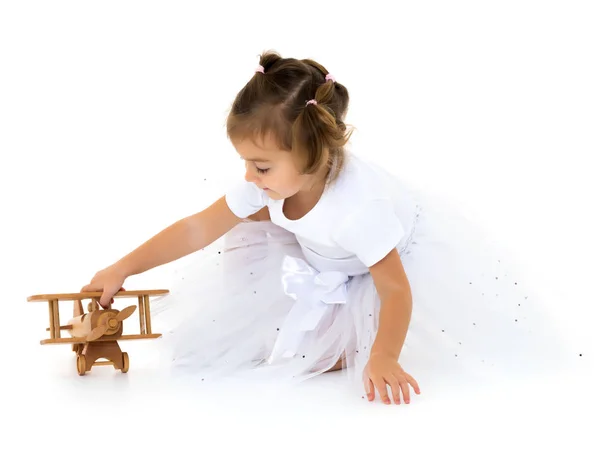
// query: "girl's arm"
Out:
[396,305]
[180,239]
[394,317]
[184,237]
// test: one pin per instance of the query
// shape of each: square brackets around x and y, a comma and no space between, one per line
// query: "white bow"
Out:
[315,293]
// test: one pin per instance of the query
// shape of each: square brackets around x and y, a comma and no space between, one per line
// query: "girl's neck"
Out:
[315,185]
[301,203]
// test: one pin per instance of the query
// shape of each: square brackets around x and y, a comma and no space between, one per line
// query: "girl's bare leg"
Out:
[338,365]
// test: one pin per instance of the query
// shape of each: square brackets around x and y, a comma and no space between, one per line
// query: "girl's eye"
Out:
[262,170]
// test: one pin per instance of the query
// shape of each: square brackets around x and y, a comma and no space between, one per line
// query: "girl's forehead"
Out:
[258,151]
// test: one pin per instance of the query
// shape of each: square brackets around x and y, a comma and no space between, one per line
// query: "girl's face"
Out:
[273,170]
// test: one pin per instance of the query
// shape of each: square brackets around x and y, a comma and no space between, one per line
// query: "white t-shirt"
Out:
[359,219]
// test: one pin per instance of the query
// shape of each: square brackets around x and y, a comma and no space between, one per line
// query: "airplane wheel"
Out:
[125,363]
[81,364]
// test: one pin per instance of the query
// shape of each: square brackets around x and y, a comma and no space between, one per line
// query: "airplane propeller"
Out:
[111,323]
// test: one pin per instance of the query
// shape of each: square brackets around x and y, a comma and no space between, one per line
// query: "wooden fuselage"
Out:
[81,326]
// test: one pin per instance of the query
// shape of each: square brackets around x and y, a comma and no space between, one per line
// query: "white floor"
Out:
[112,129]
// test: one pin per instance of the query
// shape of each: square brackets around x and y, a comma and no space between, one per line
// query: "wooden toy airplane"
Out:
[94,335]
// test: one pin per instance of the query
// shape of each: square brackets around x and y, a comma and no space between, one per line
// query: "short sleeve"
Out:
[371,231]
[246,199]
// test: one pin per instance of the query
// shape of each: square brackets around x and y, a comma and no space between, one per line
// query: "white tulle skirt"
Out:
[473,314]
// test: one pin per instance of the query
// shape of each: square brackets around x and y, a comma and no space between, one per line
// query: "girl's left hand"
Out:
[383,370]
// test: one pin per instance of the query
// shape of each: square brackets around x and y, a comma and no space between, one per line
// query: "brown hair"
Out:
[275,103]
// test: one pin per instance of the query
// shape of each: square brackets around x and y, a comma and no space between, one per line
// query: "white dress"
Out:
[284,300]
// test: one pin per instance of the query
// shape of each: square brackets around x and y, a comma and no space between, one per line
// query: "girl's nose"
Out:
[250,177]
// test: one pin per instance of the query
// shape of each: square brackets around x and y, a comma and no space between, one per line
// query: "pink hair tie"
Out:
[311,102]
[329,77]
[260,69]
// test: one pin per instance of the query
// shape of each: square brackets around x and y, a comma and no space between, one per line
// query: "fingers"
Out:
[400,382]
[395,386]
[405,380]
[106,299]
[405,390]
[90,288]
[413,383]
[397,382]
[369,389]
[382,389]
[112,300]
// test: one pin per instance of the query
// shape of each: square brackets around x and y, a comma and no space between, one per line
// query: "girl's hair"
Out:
[275,103]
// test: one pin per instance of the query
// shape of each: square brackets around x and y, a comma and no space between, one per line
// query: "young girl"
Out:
[322,258]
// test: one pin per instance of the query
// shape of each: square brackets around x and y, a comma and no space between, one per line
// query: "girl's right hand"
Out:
[109,281]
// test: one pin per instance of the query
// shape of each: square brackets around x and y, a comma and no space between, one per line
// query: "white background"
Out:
[112,127]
